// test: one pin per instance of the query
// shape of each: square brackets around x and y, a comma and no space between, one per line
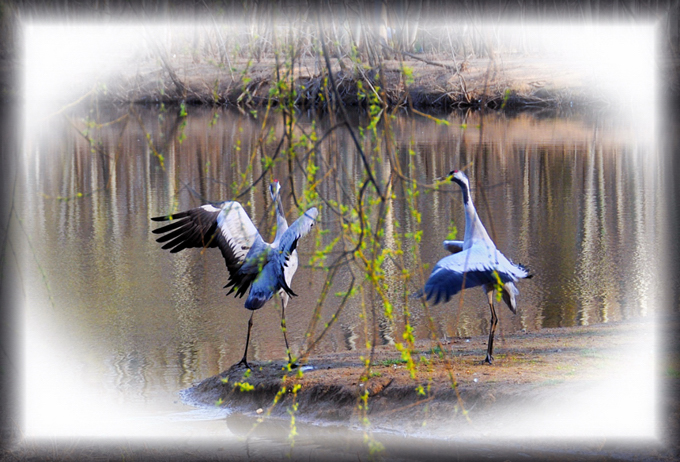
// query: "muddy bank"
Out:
[532,371]
[426,83]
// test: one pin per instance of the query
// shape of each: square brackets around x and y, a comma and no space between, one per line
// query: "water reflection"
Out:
[577,201]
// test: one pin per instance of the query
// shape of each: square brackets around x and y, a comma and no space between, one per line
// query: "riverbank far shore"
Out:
[426,83]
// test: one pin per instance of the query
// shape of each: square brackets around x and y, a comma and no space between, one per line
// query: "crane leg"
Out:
[492,329]
[245,353]
[284,302]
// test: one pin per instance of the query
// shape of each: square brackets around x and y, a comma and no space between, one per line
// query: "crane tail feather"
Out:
[257,299]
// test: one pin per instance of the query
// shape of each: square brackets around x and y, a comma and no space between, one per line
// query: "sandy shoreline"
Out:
[533,371]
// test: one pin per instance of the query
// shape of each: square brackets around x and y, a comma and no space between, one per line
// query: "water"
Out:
[117,321]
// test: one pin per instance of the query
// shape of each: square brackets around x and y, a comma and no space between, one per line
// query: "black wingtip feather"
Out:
[170,226]
[525,269]
[167,246]
[172,216]
[172,235]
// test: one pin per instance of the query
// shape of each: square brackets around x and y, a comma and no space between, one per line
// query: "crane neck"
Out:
[281,223]
[474,229]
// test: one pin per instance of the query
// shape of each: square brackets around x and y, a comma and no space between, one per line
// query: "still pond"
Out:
[121,323]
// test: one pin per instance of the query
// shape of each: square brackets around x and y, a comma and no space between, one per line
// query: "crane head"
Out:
[274,189]
[459,177]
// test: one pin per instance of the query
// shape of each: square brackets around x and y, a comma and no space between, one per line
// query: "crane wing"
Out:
[237,229]
[468,268]
[299,228]
[191,228]
[266,269]
[227,227]
[271,274]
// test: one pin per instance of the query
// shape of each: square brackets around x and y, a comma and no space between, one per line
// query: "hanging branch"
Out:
[344,111]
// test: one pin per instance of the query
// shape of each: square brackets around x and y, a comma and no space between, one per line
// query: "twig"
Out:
[462,80]
[161,54]
[276,153]
[344,112]
[411,55]
[224,42]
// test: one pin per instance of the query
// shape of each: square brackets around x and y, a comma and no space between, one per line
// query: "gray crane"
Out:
[475,261]
[252,263]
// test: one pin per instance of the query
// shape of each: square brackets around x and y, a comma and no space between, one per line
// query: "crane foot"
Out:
[488,359]
[242,362]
